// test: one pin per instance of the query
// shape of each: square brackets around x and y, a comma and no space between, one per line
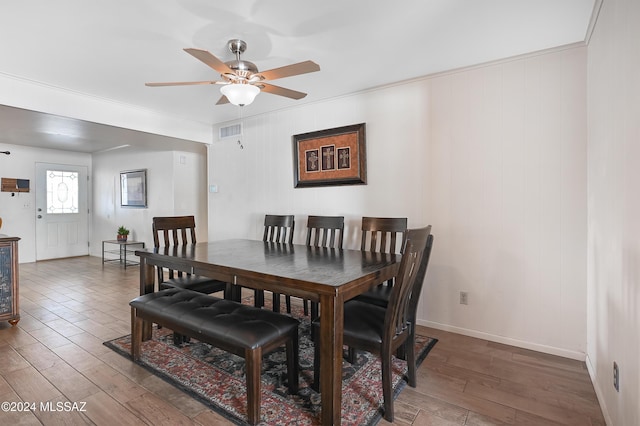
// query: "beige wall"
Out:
[493,157]
[614,209]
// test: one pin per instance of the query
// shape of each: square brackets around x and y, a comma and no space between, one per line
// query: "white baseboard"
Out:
[506,340]
[599,394]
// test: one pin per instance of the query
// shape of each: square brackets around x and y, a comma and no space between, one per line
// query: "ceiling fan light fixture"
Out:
[241,80]
[240,94]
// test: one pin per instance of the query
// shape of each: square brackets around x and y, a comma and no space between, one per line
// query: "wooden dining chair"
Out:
[380,235]
[180,231]
[323,231]
[384,330]
[380,296]
[277,229]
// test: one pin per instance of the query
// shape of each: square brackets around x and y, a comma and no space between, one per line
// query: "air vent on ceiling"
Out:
[230,131]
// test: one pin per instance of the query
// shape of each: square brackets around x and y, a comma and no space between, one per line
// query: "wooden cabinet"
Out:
[9,280]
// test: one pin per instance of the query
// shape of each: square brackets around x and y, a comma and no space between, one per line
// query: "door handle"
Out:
[39,216]
[39,210]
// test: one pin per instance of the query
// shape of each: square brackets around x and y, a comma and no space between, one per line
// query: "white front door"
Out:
[62,228]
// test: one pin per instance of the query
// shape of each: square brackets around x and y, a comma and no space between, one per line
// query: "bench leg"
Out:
[136,335]
[253,361]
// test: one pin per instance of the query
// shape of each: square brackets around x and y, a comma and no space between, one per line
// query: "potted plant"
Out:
[122,234]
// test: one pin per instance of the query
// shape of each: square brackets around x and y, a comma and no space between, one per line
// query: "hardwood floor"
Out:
[70,307]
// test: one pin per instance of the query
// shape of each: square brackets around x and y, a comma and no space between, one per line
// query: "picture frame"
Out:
[133,188]
[330,157]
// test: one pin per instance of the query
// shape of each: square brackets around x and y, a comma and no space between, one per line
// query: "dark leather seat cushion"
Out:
[379,295]
[217,320]
[363,322]
[196,283]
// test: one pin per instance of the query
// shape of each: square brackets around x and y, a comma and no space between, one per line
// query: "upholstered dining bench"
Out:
[243,330]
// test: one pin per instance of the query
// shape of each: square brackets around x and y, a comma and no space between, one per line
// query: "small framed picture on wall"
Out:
[133,188]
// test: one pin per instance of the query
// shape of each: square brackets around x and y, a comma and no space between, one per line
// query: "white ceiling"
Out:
[108,49]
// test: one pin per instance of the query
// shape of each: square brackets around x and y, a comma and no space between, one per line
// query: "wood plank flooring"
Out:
[70,307]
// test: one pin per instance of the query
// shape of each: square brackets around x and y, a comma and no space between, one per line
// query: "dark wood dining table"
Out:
[327,276]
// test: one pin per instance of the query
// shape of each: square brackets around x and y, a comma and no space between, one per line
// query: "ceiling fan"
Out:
[241,81]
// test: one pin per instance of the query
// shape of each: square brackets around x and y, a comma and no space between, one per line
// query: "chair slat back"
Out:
[382,234]
[398,313]
[278,228]
[173,231]
[325,231]
[417,285]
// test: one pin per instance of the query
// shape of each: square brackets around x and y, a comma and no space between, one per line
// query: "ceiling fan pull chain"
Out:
[241,127]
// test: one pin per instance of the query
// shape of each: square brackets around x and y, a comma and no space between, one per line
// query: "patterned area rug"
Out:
[216,378]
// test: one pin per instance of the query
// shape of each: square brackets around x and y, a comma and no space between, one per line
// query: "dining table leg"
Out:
[147,285]
[331,329]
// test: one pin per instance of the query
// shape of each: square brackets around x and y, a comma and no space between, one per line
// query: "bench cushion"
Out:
[215,319]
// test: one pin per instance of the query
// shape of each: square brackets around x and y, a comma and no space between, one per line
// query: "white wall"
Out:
[493,157]
[508,178]
[614,209]
[176,185]
[177,182]
[19,212]
[35,96]
[259,179]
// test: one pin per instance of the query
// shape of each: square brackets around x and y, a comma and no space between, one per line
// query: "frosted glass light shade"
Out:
[240,94]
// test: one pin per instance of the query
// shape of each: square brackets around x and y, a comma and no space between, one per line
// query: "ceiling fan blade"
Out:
[182,83]
[281,91]
[223,100]
[290,70]
[208,58]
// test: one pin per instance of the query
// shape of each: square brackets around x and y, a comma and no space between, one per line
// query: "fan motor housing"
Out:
[242,68]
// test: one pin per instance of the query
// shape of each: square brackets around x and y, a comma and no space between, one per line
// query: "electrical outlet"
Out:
[464,298]
[616,376]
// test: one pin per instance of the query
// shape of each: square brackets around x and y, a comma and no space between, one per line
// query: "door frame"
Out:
[86,169]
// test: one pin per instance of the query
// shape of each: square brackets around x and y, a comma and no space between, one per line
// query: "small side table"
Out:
[124,248]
